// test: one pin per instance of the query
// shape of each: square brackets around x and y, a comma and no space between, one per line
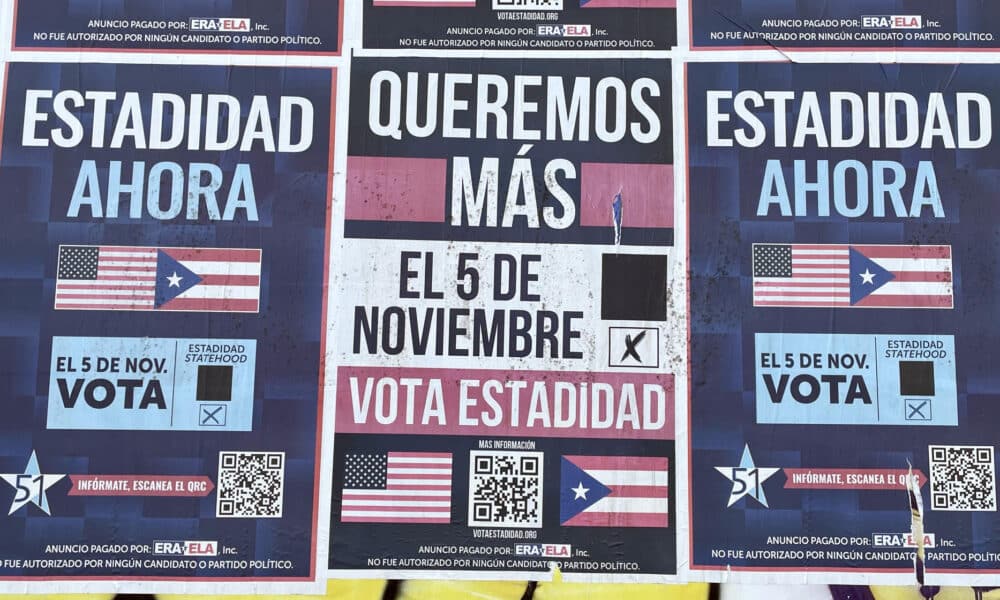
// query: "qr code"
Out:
[251,484]
[505,489]
[963,478]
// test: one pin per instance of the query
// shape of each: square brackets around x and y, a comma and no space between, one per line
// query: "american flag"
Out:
[397,487]
[841,275]
[614,491]
[144,278]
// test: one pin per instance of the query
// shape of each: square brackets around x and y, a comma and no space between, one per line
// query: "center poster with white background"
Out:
[504,403]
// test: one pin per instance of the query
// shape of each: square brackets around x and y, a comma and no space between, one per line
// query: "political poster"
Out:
[597,25]
[162,324]
[843,396]
[965,25]
[504,393]
[231,27]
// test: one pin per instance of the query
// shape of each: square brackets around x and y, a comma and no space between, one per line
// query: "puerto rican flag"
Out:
[614,491]
[144,278]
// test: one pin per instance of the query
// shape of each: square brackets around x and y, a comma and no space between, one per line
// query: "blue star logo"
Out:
[747,478]
[30,486]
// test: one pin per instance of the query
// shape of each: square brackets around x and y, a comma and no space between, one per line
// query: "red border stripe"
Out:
[906,301]
[800,294]
[344,519]
[146,298]
[932,276]
[214,254]
[804,303]
[640,491]
[603,519]
[806,284]
[420,455]
[875,252]
[212,304]
[253,280]
[621,463]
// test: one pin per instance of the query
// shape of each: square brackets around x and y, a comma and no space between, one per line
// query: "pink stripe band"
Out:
[647,194]
[652,394]
[621,463]
[212,304]
[358,496]
[394,520]
[906,301]
[639,491]
[383,188]
[419,455]
[600,519]
[877,252]
[244,280]
[802,294]
[804,303]
[796,283]
[144,298]
[251,255]
[933,276]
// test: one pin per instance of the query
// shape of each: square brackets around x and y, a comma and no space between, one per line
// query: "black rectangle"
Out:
[916,378]
[215,383]
[634,287]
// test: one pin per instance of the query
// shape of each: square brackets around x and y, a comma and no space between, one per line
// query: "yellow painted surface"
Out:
[461,590]
[363,589]
[886,592]
[609,591]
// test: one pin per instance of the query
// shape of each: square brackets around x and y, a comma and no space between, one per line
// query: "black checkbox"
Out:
[916,378]
[215,383]
[634,287]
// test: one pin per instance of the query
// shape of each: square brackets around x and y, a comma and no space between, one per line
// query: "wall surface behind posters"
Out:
[499,298]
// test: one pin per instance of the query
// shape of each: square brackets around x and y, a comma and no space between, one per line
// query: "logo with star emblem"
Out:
[747,478]
[30,486]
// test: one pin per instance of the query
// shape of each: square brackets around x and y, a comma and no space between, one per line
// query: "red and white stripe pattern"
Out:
[397,487]
[230,280]
[127,278]
[639,491]
[124,278]
[922,276]
[821,277]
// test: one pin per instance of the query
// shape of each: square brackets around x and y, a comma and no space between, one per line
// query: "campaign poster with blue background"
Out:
[845,25]
[843,329]
[231,26]
[164,239]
